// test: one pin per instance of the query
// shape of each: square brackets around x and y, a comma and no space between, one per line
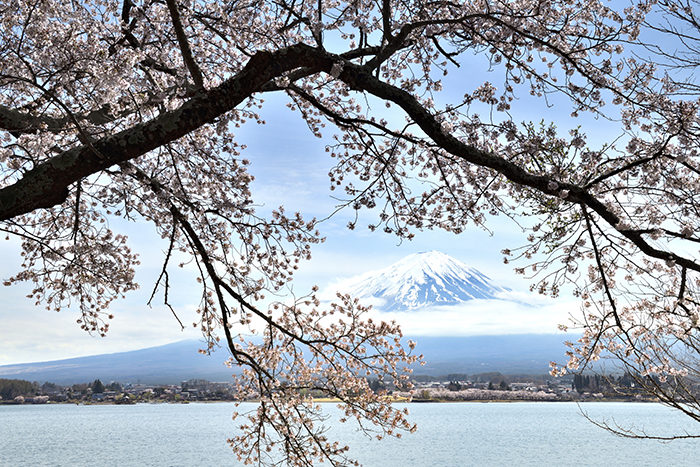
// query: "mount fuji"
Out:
[423,279]
[461,320]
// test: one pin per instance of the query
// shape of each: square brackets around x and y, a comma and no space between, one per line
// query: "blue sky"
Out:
[291,166]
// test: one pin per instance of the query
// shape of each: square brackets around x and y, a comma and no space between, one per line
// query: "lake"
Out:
[449,435]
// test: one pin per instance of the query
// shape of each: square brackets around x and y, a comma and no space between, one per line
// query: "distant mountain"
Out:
[165,364]
[173,363]
[508,354]
[424,279]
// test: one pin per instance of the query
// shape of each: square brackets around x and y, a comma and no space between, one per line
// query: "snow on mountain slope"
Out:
[424,279]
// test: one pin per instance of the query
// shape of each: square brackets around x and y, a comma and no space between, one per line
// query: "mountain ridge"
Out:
[180,361]
[164,364]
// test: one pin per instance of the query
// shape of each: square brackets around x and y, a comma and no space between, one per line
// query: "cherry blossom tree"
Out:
[640,298]
[128,110]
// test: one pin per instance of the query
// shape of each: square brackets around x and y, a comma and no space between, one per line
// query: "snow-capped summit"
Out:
[423,279]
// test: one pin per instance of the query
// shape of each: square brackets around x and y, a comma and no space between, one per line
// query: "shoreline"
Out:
[335,401]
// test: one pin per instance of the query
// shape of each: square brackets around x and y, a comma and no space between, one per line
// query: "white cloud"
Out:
[484,317]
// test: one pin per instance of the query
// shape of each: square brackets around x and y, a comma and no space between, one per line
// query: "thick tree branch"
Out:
[47,184]
[185,45]
[18,123]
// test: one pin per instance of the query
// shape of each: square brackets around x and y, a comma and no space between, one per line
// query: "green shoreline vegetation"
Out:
[485,387]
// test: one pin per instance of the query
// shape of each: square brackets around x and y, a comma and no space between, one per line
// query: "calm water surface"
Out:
[449,435]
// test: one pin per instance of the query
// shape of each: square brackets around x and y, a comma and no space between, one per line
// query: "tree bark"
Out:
[47,184]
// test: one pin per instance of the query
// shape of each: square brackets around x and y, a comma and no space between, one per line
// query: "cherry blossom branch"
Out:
[46,185]
[633,433]
[631,165]
[184,43]
[164,276]
[601,270]
[359,78]
[18,123]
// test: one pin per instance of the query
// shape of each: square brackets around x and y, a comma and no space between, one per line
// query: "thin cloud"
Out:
[482,317]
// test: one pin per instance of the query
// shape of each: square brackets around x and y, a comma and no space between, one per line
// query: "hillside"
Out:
[173,363]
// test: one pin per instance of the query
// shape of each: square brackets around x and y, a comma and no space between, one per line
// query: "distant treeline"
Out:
[11,388]
[490,377]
